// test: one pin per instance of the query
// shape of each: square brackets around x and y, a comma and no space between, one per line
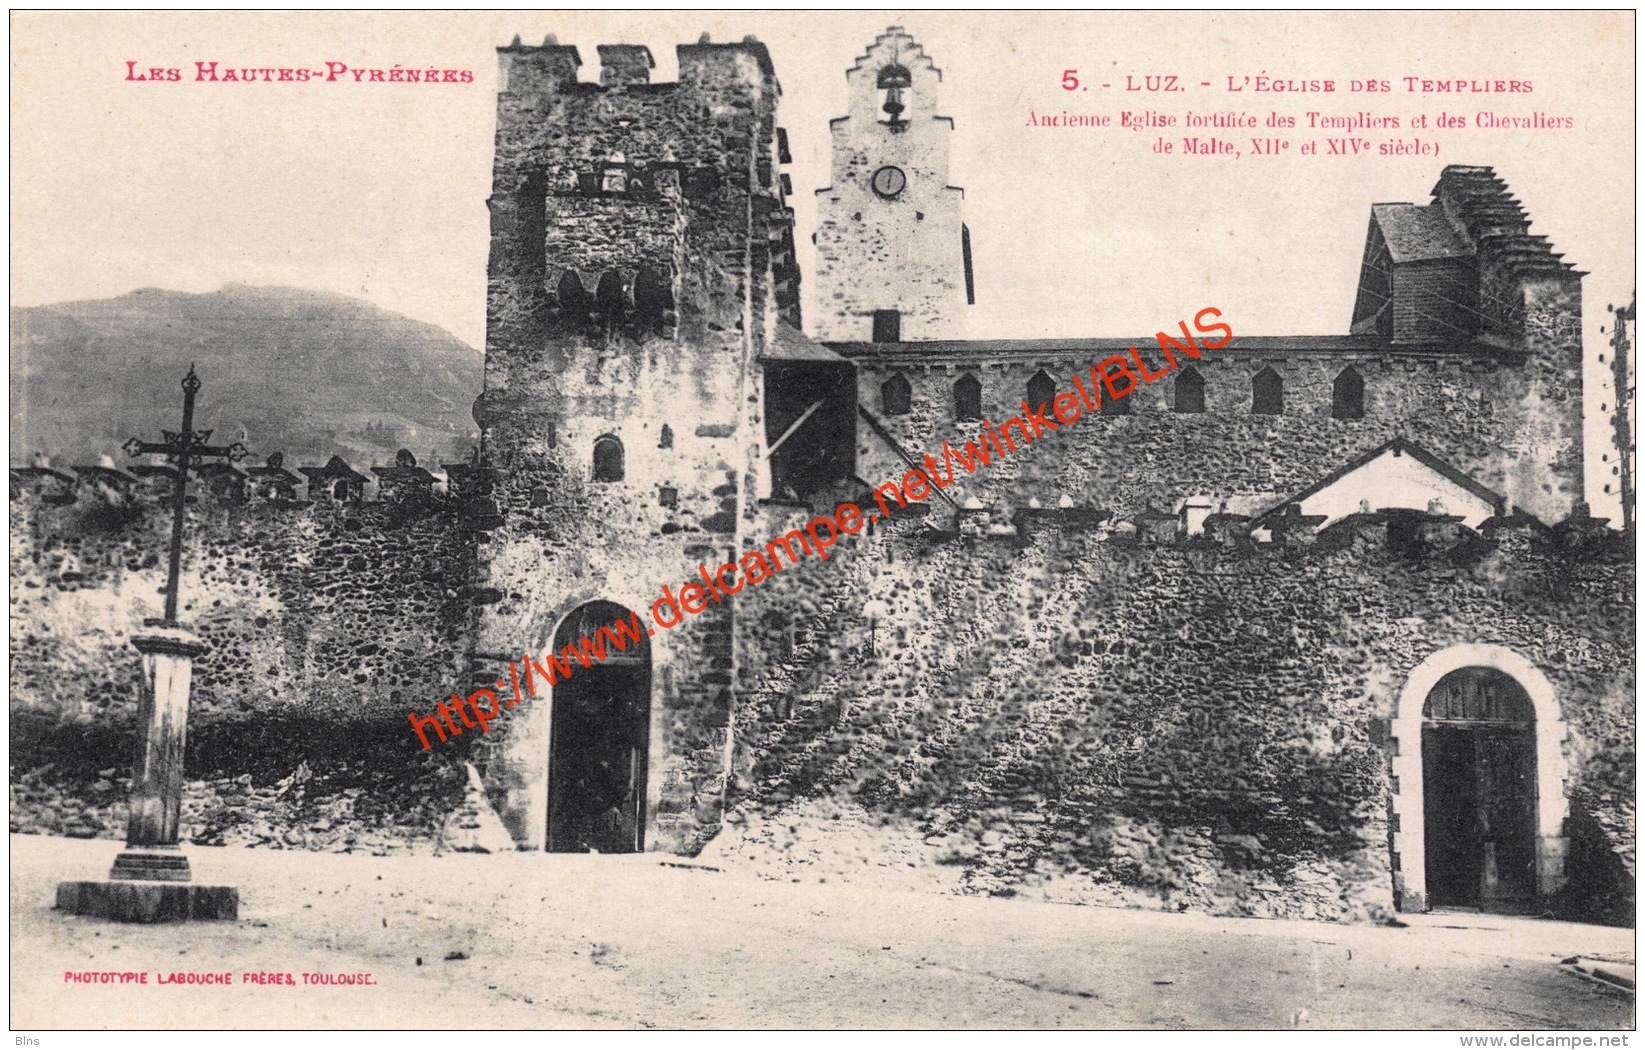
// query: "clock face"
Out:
[889,181]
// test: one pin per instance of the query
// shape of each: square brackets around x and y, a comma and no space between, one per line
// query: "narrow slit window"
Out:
[967,398]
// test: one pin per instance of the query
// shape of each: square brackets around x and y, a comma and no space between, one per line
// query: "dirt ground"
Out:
[532,941]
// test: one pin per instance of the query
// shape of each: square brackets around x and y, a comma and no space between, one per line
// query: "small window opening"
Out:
[967,398]
[1348,395]
[1267,394]
[1041,390]
[1190,390]
[896,396]
[608,459]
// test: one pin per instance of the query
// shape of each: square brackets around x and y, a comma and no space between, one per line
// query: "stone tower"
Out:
[641,258]
[893,257]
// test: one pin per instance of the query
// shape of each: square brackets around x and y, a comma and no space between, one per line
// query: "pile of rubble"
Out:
[301,811]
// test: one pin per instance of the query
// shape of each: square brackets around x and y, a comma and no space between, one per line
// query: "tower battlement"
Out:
[551,66]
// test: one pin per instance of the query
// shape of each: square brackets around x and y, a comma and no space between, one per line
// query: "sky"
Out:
[379,190]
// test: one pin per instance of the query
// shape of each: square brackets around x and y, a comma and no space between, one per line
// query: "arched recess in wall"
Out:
[1415,712]
[967,398]
[1190,390]
[1267,393]
[896,395]
[610,299]
[575,302]
[1041,389]
[1348,395]
[608,459]
[653,299]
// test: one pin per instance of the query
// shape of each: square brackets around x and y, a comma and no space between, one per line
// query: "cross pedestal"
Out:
[150,880]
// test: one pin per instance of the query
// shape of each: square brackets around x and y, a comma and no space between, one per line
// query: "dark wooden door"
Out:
[1479,795]
[1506,761]
[1450,805]
[599,741]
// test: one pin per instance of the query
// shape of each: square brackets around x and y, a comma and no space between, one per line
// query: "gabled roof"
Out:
[1416,233]
[1398,447]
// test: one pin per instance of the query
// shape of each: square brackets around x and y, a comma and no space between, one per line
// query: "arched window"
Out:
[1190,390]
[666,438]
[1267,394]
[967,398]
[896,395]
[1348,395]
[608,459]
[1041,389]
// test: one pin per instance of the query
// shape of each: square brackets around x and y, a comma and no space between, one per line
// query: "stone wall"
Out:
[1206,726]
[1512,426]
[325,623]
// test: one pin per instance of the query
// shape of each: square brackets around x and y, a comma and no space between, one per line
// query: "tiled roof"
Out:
[1415,233]
[793,345]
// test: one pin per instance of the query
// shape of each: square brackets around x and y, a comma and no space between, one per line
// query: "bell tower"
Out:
[893,256]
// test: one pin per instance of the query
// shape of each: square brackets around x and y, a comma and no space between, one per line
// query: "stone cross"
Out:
[150,880]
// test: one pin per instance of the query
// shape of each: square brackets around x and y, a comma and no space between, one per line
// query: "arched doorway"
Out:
[1479,789]
[599,735]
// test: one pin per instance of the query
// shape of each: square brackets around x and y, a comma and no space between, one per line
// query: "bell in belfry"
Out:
[893,104]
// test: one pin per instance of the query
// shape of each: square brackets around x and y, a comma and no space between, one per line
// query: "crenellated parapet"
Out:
[1412,534]
[270,485]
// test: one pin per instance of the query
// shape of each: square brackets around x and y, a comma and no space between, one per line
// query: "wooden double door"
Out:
[1480,793]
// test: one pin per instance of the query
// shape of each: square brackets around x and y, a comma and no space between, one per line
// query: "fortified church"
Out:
[1305,625]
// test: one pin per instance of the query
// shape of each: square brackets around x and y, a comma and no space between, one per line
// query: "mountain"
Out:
[306,373]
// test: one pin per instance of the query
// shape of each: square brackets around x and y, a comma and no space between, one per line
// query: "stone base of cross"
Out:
[150,880]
